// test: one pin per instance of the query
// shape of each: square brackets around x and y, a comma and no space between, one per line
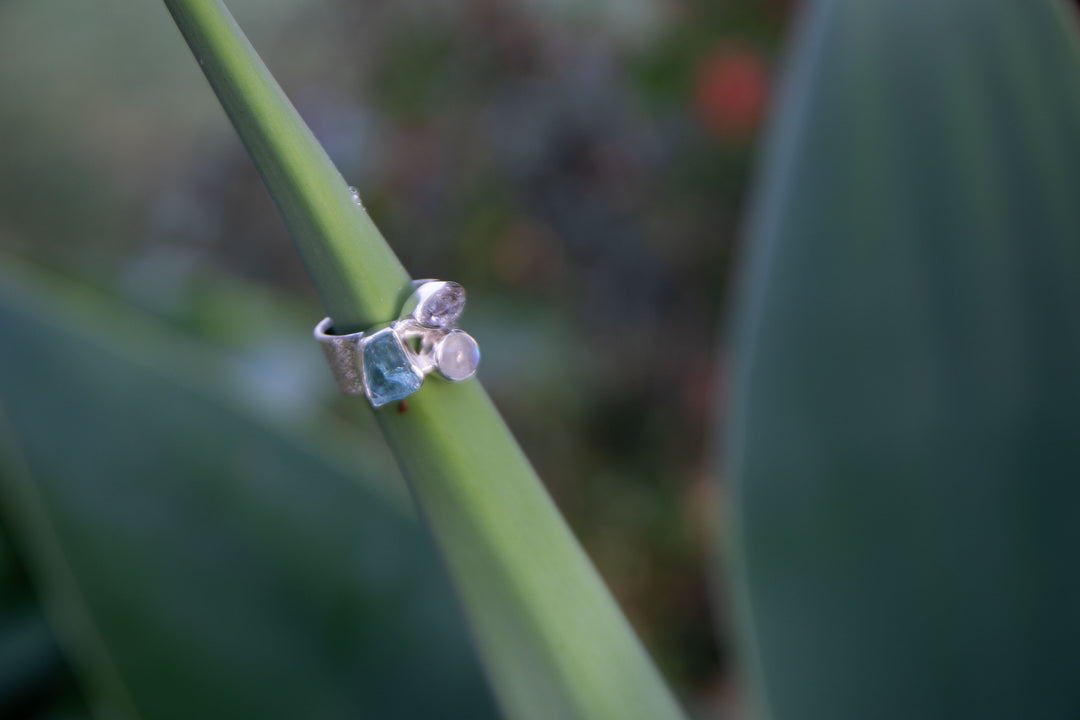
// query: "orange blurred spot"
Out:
[731,93]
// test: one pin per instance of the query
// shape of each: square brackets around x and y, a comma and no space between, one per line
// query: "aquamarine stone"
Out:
[389,375]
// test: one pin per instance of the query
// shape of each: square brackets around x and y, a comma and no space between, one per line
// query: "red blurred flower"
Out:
[731,92]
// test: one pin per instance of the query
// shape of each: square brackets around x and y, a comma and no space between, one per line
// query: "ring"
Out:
[389,362]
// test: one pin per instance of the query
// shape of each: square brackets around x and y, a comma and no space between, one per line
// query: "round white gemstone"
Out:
[441,307]
[457,355]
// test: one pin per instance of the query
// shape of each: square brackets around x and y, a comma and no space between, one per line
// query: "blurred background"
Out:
[578,166]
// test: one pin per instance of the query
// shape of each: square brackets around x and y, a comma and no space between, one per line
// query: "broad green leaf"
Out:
[196,561]
[32,669]
[905,430]
[552,639]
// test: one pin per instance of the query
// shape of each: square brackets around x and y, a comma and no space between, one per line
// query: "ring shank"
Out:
[343,354]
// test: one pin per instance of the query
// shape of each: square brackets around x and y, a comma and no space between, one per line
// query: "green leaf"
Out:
[905,430]
[551,637]
[196,561]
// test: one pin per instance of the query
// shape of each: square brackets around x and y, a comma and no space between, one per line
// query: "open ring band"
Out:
[388,363]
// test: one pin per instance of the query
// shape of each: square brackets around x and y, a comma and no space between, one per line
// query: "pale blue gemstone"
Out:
[388,374]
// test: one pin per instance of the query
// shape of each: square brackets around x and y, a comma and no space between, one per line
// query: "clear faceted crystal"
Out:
[442,306]
[457,356]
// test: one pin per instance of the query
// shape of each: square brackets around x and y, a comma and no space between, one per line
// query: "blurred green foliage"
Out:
[34,675]
[200,561]
[905,430]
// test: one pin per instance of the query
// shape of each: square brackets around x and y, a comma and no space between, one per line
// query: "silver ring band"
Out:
[389,363]
[343,354]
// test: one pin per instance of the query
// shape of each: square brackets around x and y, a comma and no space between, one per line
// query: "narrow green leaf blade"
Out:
[904,431]
[551,637]
[358,277]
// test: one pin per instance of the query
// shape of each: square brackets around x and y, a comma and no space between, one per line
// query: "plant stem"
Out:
[358,277]
[551,637]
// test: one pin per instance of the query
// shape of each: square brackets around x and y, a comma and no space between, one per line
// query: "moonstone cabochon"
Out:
[389,373]
[457,356]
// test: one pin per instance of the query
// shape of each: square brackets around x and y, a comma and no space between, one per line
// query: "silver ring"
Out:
[389,363]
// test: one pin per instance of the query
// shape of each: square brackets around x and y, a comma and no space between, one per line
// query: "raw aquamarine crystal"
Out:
[389,374]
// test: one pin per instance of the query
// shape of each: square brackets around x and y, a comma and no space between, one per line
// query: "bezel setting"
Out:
[389,368]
